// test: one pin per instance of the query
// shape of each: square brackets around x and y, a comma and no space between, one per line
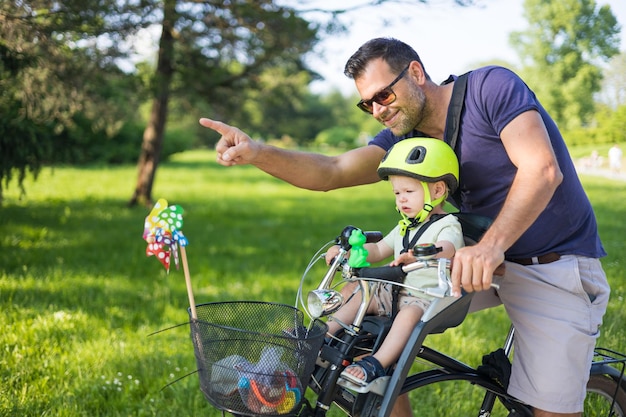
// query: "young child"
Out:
[422,171]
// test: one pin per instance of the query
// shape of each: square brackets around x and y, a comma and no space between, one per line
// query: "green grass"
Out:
[79,299]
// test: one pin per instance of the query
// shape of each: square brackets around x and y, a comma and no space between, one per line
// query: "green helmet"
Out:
[427,160]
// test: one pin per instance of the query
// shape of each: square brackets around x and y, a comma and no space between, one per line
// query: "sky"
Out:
[449,39]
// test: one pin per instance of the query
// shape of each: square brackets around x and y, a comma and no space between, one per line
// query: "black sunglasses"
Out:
[384,97]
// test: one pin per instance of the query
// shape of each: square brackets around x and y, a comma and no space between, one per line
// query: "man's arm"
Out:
[538,175]
[302,169]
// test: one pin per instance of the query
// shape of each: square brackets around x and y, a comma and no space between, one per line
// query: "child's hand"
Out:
[332,252]
[403,259]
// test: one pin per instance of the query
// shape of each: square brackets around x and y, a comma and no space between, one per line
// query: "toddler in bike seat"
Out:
[422,172]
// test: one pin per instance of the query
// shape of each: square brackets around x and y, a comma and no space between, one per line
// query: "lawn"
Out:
[81,306]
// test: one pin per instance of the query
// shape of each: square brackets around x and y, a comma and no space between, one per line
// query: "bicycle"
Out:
[289,358]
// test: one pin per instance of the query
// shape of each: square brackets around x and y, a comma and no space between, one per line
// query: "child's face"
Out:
[409,194]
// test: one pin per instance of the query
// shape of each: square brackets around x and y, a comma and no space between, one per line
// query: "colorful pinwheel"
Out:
[162,231]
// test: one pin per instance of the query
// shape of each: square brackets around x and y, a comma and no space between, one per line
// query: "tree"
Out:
[222,48]
[153,134]
[214,49]
[614,82]
[561,50]
[60,78]
[54,57]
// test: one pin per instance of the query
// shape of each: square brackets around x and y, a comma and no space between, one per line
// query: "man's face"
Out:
[407,111]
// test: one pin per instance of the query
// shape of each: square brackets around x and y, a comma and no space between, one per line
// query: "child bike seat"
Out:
[447,312]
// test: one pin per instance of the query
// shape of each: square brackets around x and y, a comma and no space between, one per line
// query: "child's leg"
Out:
[395,341]
[399,333]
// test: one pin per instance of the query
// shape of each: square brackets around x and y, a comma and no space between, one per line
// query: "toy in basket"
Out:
[253,358]
[266,387]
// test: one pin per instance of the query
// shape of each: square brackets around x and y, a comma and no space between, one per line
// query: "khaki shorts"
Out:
[557,311]
[383,299]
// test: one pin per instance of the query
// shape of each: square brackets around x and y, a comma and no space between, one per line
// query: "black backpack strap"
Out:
[453,121]
[474,226]
[406,245]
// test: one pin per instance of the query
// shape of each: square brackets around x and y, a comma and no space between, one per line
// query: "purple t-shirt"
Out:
[494,97]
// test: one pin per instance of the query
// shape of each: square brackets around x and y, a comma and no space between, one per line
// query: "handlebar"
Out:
[342,239]
[326,300]
[386,273]
[396,274]
[425,254]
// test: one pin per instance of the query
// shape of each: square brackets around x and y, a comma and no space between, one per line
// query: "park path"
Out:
[601,172]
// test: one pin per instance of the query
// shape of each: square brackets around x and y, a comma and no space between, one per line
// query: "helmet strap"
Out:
[411,223]
[428,204]
[407,224]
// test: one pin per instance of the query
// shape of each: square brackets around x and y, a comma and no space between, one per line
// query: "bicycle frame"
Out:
[378,397]
[447,369]
[381,394]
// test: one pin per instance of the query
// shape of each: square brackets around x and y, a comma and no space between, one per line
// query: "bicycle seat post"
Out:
[508,342]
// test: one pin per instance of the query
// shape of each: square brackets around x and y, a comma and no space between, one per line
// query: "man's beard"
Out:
[411,116]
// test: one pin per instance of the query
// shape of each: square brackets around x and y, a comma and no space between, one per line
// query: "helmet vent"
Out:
[417,155]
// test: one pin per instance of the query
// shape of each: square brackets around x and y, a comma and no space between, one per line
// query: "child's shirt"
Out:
[447,228]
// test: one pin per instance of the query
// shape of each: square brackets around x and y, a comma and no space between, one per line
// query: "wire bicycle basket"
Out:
[254,358]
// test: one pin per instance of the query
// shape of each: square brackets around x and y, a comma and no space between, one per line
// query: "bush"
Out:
[82,144]
[337,137]
[178,139]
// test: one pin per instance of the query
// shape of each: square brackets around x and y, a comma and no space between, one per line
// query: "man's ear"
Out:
[416,71]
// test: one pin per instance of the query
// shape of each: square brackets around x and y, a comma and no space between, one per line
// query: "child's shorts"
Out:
[383,299]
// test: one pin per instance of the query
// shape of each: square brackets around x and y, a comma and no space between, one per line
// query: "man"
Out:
[514,168]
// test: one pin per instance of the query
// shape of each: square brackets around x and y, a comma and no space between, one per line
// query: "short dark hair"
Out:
[394,52]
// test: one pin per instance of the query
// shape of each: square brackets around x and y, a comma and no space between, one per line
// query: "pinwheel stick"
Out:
[192,303]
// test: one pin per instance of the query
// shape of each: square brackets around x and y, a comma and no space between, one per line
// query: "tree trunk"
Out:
[153,135]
